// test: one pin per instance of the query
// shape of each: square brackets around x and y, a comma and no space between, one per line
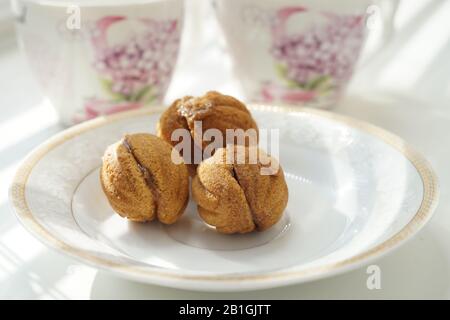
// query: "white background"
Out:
[404,87]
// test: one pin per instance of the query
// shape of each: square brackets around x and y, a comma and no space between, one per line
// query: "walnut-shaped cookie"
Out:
[214,111]
[141,180]
[240,196]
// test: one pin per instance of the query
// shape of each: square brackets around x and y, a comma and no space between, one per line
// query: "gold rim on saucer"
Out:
[423,214]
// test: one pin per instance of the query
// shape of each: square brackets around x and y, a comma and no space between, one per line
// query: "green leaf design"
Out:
[107,86]
[281,70]
[321,84]
[282,73]
[149,99]
[140,94]
[317,82]
[145,95]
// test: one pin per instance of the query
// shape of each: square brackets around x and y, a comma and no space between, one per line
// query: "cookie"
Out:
[141,180]
[237,197]
[215,111]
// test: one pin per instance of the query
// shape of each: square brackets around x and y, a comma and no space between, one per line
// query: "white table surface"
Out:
[405,89]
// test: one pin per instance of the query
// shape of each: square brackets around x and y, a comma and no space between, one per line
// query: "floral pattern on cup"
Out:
[315,63]
[134,72]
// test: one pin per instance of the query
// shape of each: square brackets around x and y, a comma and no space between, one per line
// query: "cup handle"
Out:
[383,11]
[19,11]
[389,10]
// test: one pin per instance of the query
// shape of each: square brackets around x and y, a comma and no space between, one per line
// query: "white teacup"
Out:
[293,51]
[101,56]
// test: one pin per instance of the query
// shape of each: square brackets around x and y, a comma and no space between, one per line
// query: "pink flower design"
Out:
[317,61]
[146,60]
[136,71]
[272,93]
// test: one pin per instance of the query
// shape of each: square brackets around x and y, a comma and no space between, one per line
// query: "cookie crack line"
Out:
[148,177]
[236,177]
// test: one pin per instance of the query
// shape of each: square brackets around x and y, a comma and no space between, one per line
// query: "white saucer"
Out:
[356,192]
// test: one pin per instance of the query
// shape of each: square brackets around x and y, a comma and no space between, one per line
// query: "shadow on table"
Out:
[14,153]
[416,270]
[31,278]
